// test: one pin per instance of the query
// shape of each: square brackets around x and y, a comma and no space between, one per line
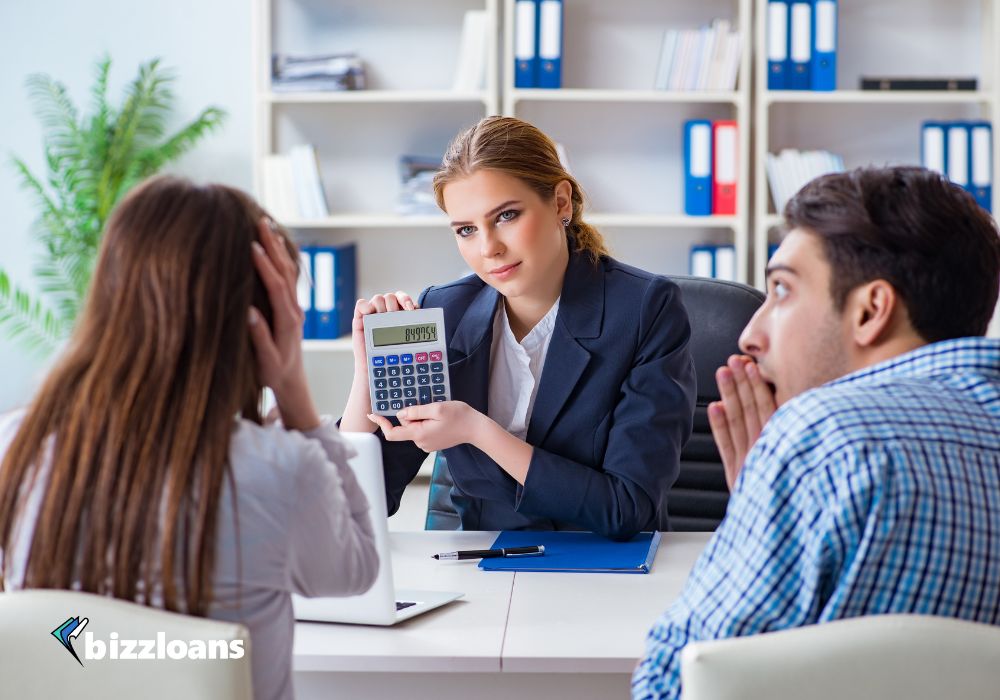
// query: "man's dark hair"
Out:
[924,235]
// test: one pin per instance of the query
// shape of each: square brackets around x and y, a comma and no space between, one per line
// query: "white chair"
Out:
[34,664]
[914,657]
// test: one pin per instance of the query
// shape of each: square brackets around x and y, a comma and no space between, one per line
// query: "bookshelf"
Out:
[633,174]
[877,128]
[411,51]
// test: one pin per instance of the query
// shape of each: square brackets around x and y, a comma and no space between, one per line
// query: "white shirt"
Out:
[516,369]
[304,528]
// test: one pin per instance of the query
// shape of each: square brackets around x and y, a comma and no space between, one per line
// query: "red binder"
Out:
[725,167]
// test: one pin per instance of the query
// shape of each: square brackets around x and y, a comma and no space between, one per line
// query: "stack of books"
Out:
[416,196]
[700,59]
[788,171]
[342,71]
[291,188]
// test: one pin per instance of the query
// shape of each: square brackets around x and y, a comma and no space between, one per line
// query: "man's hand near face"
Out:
[747,404]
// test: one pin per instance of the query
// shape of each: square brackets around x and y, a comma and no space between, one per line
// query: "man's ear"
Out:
[874,309]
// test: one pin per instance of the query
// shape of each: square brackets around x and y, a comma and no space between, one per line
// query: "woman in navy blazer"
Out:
[614,401]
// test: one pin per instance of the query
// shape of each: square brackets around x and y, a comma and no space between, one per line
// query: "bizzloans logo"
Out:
[160,648]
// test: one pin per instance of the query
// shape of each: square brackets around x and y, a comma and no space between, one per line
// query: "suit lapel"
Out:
[581,314]
[469,351]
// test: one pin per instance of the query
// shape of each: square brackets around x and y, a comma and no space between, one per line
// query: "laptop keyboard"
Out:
[402,604]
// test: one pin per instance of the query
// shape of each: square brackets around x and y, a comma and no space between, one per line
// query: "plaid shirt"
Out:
[876,493]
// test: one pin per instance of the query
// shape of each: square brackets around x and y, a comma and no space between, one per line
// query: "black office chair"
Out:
[718,312]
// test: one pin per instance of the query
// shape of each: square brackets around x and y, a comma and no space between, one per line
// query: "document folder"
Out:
[576,551]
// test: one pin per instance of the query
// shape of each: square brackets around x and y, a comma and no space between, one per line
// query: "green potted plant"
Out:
[91,163]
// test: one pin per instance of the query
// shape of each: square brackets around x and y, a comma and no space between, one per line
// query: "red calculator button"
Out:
[422,356]
[435,356]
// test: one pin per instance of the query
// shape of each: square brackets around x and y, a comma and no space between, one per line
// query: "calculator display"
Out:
[401,335]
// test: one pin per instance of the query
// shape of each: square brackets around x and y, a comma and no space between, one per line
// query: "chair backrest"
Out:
[718,312]
[886,656]
[35,664]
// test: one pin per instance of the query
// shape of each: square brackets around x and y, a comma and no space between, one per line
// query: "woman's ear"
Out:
[563,198]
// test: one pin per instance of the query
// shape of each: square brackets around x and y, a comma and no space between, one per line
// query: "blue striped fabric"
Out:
[876,493]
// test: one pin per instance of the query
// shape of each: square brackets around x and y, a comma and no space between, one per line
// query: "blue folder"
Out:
[824,49]
[525,44]
[698,167]
[778,41]
[800,45]
[550,27]
[576,551]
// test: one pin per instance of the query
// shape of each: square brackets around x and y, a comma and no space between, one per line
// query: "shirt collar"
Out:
[536,336]
[976,355]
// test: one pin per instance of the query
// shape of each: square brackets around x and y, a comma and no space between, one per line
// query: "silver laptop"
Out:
[382,604]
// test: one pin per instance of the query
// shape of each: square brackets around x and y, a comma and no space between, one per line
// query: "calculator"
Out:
[407,359]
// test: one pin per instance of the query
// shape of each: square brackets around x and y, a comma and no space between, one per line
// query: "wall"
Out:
[208,44]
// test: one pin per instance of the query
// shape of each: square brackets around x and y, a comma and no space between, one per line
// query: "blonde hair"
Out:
[519,149]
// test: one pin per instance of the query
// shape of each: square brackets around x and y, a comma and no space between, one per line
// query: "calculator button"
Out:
[394,371]
[440,398]
[378,361]
[407,370]
[406,359]
[410,393]
[378,372]
[381,395]
[425,395]
[410,402]
[423,369]
[395,393]
[381,384]
[423,380]
[435,356]
[439,389]
[437,367]
[392,360]
[396,405]
[409,381]
[395,382]
[437,378]
[421,357]
[382,406]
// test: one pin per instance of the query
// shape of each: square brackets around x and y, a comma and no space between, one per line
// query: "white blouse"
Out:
[303,528]
[516,369]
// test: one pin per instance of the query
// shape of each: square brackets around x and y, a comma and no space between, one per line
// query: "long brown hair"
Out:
[136,418]
[521,150]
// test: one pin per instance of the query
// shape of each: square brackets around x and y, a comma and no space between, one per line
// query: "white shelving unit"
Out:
[624,140]
[410,51]
[869,127]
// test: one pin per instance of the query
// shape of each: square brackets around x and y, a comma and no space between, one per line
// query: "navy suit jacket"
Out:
[613,409]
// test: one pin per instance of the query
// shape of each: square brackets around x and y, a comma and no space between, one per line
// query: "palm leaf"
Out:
[90,163]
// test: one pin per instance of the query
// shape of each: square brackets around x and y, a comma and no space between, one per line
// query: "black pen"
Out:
[535,551]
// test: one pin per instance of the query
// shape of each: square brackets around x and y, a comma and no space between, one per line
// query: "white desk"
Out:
[513,635]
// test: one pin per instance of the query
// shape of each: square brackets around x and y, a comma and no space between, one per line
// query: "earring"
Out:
[565,223]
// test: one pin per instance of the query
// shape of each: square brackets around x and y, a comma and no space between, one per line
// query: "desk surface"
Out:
[523,622]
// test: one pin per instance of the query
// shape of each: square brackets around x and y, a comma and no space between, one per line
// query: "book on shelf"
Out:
[291,185]
[538,43]
[470,70]
[327,72]
[788,171]
[416,194]
[699,59]
[713,261]
[711,167]
[910,83]
[802,44]
[327,289]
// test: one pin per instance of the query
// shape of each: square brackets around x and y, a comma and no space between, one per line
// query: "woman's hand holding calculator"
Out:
[378,304]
